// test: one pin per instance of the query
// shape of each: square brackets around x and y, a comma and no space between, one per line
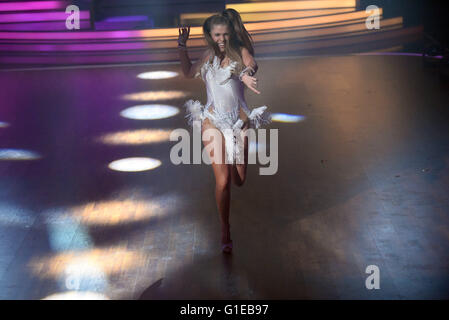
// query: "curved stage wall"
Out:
[33,33]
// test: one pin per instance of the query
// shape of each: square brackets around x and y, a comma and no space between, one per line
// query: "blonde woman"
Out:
[226,66]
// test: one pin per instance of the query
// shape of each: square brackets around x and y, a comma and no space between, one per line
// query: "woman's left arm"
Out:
[246,76]
[248,60]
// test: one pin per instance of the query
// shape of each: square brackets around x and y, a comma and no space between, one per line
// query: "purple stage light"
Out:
[126,19]
[39,16]
[32,5]
[95,35]
[76,47]
[41,26]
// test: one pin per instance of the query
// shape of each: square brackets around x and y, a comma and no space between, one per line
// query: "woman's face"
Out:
[220,35]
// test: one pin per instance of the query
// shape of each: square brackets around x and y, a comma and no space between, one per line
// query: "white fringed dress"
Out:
[225,97]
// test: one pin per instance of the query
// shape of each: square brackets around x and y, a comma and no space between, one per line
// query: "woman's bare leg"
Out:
[238,171]
[222,181]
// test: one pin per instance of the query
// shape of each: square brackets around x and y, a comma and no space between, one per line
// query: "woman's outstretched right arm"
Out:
[188,69]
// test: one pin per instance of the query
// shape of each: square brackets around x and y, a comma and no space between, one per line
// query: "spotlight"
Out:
[155,95]
[156,75]
[17,154]
[149,112]
[136,137]
[134,164]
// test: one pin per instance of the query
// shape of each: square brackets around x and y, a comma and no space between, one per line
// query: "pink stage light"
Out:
[32,5]
[76,47]
[39,16]
[41,26]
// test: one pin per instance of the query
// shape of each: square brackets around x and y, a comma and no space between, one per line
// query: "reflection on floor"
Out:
[362,180]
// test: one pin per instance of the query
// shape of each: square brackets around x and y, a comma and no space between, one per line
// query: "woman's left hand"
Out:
[250,82]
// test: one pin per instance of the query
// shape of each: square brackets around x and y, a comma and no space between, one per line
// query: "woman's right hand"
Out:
[183,35]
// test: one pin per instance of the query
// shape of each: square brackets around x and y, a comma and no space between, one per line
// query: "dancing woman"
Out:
[226,66]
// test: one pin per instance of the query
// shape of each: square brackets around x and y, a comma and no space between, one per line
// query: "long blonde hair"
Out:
[237,38]
[242,34]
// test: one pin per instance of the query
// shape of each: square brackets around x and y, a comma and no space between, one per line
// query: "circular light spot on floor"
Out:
[76,295]
[136,164]
[18,155]
[150,112]
[3,124]
[156,75]
[155,95]
[136,137]
[284,117]
[119,211]
[87,263]
[12,215]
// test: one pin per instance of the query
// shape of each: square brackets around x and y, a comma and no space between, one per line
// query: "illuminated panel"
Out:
[364,37]
[195,32]
[150,112]
[391,29]
[201,15]
[326,32]
[291,5]
[137,164]
[157,75]
[155,95]
[199,42]
[311,21]
[3,124]
[41,26]
[32,5]
[125,18]
[248,17]
[39,16]
[165,34]
[150,33]
[136,137]
[265,16]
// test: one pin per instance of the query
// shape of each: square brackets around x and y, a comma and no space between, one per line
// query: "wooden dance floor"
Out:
[363,179]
